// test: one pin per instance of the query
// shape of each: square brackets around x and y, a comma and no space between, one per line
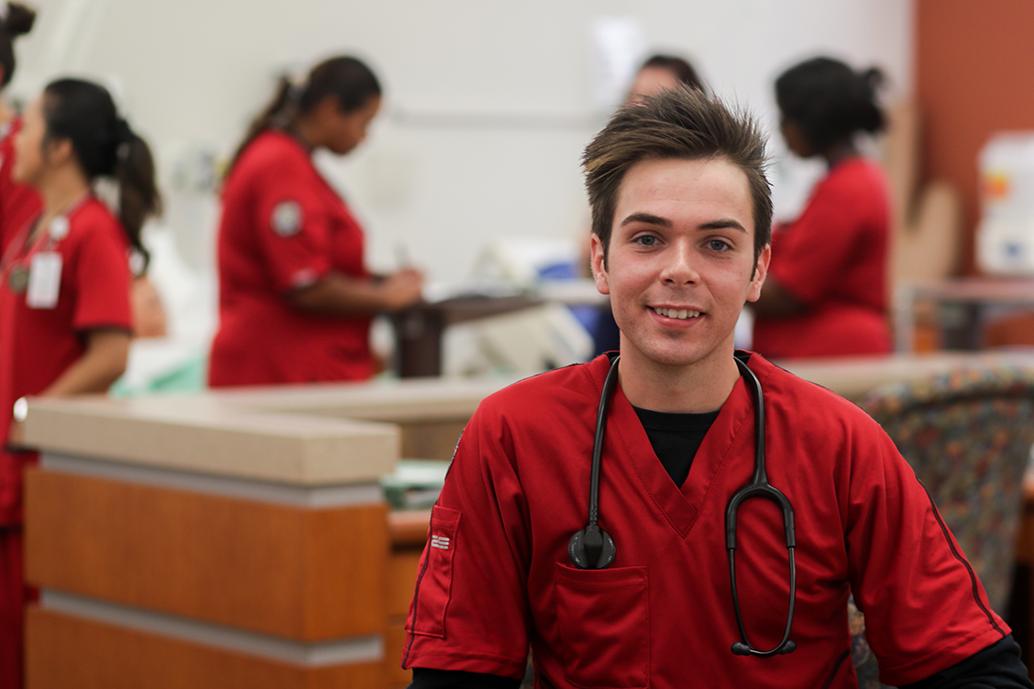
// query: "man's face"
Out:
[680,264]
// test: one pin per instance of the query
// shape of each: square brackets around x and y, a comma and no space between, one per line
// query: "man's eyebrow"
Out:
[647,218]
[722,224]
[651,219]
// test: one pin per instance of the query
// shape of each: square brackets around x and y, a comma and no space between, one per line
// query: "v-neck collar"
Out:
[680,505]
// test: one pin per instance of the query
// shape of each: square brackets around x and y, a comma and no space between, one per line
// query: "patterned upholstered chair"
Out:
[968,436]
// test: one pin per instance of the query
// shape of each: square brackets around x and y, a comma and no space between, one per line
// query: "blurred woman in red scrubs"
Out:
[826,292]
[65,318]
[295,296]
[19,203]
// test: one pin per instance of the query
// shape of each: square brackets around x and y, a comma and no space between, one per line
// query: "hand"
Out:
[402,289]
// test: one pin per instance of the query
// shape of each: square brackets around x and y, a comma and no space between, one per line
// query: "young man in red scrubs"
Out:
[681,214]
[826,293]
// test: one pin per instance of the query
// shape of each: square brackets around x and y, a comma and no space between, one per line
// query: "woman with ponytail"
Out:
[65,280]
[295,296]
[826,290]
[18,202]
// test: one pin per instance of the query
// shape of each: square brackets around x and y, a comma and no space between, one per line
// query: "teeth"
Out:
[681,314]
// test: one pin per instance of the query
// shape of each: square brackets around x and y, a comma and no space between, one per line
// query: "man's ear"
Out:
[599,264]
[757,281]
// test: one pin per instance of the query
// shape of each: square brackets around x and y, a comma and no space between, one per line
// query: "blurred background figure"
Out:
[18,202]
[65,317]
[662,72]
[295,295]
[826,292]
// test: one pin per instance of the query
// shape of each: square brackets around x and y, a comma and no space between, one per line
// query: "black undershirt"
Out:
[675,439]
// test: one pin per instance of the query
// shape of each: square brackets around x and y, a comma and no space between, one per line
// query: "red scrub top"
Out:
[19,203]
[833,259]
[284,227]
[495,573]
[38,345]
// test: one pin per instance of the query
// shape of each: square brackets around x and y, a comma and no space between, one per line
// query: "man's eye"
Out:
[718,245]
[646,240]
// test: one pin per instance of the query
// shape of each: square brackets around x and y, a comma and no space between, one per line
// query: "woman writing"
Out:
[295,296]
[826,291]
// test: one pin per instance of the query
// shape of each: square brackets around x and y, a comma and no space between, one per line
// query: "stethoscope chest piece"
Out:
[591,548]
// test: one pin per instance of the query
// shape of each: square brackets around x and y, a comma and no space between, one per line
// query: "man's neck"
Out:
[699,387]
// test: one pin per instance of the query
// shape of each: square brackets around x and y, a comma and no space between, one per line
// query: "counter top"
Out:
[327,434]
[206,436]
[855,377]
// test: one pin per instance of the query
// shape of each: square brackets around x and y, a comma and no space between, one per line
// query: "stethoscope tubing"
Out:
[587,545]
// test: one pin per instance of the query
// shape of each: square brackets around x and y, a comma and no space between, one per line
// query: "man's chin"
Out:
[671,357]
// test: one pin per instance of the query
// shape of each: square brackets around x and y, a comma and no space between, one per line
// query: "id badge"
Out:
[44,280]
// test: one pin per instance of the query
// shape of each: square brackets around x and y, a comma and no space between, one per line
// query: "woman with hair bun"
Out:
[826,290]
[18,202]
[295,296]
[65,318]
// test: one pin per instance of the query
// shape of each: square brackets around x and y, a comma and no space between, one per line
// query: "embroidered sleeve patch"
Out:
[287,218]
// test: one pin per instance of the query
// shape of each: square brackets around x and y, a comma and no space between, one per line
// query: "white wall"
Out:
[191,72]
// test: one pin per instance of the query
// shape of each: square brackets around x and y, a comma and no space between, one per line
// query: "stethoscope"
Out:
[24,244]
[593,548]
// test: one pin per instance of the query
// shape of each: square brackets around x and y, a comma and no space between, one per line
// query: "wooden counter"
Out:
[202,544]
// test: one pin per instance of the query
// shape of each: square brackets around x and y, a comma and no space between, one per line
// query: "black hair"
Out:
[829,101]
[347,79]
[105,146]
[17,22]
[678,66]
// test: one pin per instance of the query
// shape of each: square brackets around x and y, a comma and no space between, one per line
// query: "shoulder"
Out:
[852,178]
[544,397]
[94,222]
[816,411]
[271,153]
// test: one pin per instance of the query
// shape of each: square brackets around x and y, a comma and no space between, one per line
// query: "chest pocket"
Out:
[603,624]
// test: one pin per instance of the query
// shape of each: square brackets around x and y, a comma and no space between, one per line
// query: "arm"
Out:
[100,365]
[149,319]
[104,360]
[472,579]
[338,294]
[996,667]
[297,245]
[925,609]
[810,254]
